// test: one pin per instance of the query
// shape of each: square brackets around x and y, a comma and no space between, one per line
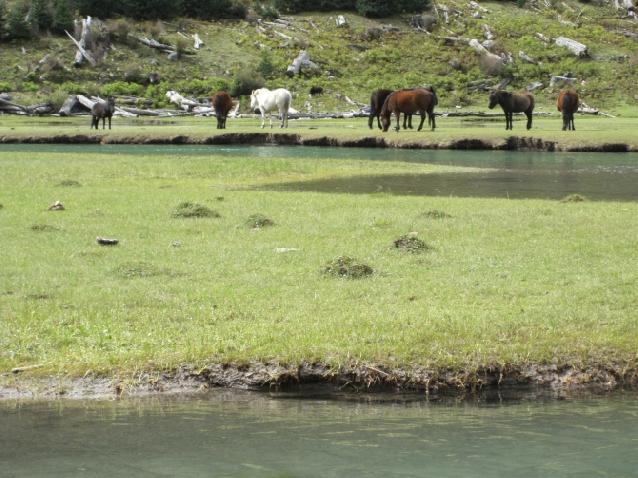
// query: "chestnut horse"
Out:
[376,103]
[223,103]
[513,103]
[567,103]
[409,102]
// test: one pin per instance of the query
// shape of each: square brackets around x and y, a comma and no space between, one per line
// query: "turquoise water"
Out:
[503,174]
[226,434]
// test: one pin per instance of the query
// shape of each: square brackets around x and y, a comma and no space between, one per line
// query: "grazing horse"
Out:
[567,103]
[376,103]
[267,101]
[102,110]
[513,103]
[409,102]
[223,103]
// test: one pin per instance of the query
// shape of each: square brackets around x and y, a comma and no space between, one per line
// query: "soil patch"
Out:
[436,214]
[411,243]
[258,221]
[189,209]
[344,266]
[574,198]
[318,378]
[69,183]
[132,270]
[44,228]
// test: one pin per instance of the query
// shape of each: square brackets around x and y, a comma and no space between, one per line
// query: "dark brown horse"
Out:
[567,103]
[376,103]
[409,102]
[102,111]
[513,103]
[223,103]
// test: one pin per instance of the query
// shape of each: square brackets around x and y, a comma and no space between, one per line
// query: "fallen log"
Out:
[575,47]
[302,61]
[566,80]
[526,58]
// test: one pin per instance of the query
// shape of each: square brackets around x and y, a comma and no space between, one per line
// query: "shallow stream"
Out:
[225,434]
[503,174]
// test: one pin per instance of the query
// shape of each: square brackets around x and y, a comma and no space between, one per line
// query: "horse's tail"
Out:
[373,108]
[567,103]
[436,98]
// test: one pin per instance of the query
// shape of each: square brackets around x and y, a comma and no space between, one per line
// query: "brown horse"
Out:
[102,111]
[567,103]
[376,103]
[513,103]
[223,103]
[409,102]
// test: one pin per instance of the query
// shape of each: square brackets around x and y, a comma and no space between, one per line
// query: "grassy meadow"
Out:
[591,131]
[502,281]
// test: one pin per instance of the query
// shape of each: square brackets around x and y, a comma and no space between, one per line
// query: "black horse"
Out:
[102,111]
[376,103]
[513,103]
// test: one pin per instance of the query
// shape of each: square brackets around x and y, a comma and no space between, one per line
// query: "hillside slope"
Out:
[353,60]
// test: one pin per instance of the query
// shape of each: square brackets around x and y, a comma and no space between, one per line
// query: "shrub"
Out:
[122,88]
[211,9]
[266,66]
[245,82]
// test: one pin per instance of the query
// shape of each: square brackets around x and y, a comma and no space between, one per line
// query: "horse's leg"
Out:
[410,122]
[405,121]
[529,119]
[432,117]
[510,120]
[110,117]
[572,121]
[422,113]
[398,114]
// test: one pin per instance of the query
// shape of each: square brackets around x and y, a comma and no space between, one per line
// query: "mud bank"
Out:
[319,378]
[512,143]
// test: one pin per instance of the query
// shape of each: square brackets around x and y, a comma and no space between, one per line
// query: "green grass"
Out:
[503,281]
[591,130]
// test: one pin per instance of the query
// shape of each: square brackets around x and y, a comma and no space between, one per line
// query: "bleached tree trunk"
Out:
[575,47]
[302,60]
[83,43]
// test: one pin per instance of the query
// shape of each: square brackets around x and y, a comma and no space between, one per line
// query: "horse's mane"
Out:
[384,108]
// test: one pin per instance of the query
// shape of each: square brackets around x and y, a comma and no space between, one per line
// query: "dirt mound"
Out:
[258,221]
[411,243]
[189,209]
[344,266]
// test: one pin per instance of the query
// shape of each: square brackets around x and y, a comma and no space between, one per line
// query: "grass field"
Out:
[591,131]
[504,281]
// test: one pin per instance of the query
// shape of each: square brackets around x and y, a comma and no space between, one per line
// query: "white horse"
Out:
[267,101]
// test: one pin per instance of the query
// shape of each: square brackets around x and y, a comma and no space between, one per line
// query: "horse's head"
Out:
[494,97]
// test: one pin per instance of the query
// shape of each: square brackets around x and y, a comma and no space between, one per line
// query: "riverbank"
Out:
[529,292]
[594,133]
[547,380]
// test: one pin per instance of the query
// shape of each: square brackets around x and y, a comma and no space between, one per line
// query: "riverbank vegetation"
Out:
[500,281]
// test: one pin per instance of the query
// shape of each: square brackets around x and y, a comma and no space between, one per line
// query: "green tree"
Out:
[62,16]
[39,16]
[3,18]
[17,26]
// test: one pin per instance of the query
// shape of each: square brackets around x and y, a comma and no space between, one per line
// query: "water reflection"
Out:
[513,184]
[241,435]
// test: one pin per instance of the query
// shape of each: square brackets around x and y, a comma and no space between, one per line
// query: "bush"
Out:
[266,66]
[213,9]
[122,88]
[245,82]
